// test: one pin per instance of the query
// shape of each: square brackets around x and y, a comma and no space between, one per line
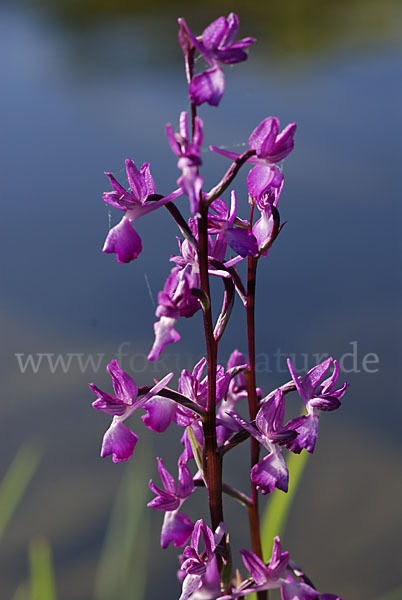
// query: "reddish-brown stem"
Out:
[253,514]
[213,457]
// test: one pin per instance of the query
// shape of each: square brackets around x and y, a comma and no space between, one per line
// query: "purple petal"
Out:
[242,241]
[329,384]
[296,380]
[191,184]
[199,368]
[148,180]
[230,56]
[255,566]
[270,472]
[279,560]
[191,583]
[284,143]
[198,134]
[164,334]
[174,144]
[314,376]
[107,403]
[263,136]
[262,229]
[186,484]
[176,528]
[193,40]
[124,241]
[270,416]
[214,33]
[298,591]
[207,87]
[307,435]
[124,386]
[165,501]
[227,153]
[248,427]
[119,441]
[233,23]
[167,479]
[119,198]
[325,403]
[261,178]
[210,582]
[209,541]
[186,385]
[160,413]
[136,181]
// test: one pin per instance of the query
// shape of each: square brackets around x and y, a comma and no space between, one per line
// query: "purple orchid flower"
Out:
[119,440]
[242,240]
[317,395]
[210,582]
[174,301]
[273,576]
[160,413]
[271,471]
[195,387]
[216,44]
[271,147]
[264,228]
[176,527]
[189,256]
[189,158]
[263,577]
[237,390]
[122,239]
[196,562]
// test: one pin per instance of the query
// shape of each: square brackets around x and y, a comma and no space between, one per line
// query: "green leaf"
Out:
[122,569]
[41,570]
[277,511]
[16,480]
[197,452]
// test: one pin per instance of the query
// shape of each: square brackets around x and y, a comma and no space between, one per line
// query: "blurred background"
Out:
[87,83]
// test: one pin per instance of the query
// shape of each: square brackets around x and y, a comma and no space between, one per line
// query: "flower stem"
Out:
[253,514]
[213,457]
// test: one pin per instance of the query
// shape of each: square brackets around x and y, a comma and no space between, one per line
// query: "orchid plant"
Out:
[207,401]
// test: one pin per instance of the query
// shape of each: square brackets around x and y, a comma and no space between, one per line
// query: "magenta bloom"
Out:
[274,575]
[122,239]
[271,147]
[188,255]
[119,440]
[188,153]
[241,239]
[264,227]
[317,395]
[176,527]
[217,45]
[196,561]
[174,301]
[237,390]
[269,431]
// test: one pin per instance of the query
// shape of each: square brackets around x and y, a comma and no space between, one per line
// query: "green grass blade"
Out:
[22,593]
[122,569]
[277,511]
[41,570]
[394,595]
[16,480]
